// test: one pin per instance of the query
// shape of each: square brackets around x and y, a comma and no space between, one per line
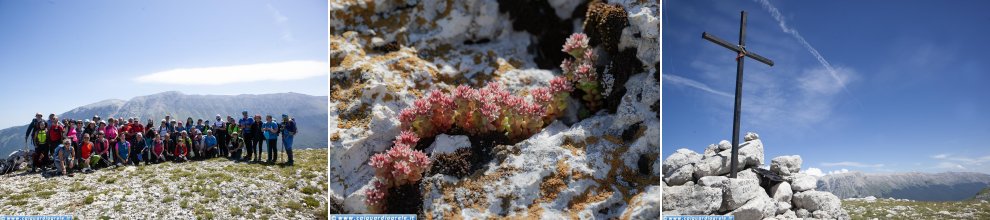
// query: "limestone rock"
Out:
[691,200]
[751,136]
[783,207]
[680,158]
[712,181]
[786,165]
[814,201]
[750,155]
[782,192]
[757,208]
[679,176]
[803,182]
[736,192]
[646,204]
[448,143]
[724,145]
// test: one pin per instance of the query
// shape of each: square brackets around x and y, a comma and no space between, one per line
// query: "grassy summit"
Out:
[901,209]
[211,189]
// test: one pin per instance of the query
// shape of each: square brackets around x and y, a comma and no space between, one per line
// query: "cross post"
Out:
[741,52]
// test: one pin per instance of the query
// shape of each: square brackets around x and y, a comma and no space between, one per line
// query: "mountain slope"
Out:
[310,113]
[949,186]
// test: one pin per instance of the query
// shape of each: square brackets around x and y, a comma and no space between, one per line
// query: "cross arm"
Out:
[735,48]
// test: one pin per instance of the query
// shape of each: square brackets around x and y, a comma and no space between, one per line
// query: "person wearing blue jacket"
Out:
[210,144]
[271,136]
[288,129]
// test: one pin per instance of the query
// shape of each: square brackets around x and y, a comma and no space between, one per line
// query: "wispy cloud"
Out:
[852,164]
[813,171]
[693,84]
[219,75]
[954,162]
[793,32]
[282,21]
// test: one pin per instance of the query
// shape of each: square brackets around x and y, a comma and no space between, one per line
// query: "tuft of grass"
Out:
[296,206]
[311,202]
[89,199]
[235,211]
[168,199]
[45,194]
[310,190]
[184,204]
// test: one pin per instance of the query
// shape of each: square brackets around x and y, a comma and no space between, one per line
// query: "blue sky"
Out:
[58,55]
[898,87]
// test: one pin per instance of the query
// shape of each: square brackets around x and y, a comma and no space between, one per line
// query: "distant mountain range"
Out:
[310,113]
[949,186]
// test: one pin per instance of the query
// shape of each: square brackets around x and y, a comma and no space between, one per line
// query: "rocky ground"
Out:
[211,189]
[385,54]
[873,208]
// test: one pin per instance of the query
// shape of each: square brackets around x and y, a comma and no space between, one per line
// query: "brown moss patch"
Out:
[357,117]
[590,195]
[604,25]
[335,136]
[554,183]
[473,184]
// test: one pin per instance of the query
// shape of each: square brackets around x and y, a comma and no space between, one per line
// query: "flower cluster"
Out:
[398,166]
[581,69]
[429,116]
[489,109]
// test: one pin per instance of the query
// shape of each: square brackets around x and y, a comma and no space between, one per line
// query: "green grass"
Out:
[890,209]
[89,199]
[235,211]
[311,202]
[184,204]
[310,190]
[168,199]
[293,205]
[45,194]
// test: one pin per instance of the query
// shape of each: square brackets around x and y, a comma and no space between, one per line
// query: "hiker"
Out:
[245,127]
[182,147]
[136,128]
[55,133]
[220,131]
[158,150]
[63,157]
[163,129]
[236,146]
[196,141]
[40,147]
[72,133]
[257,137]
[90,128]
[199,125]
[85,153]
[101,151]
[110,131]
[270,128]
[32,128]
[232,130]
[123,150]
[138,149]
[288,129]
[169,144]
[210,144]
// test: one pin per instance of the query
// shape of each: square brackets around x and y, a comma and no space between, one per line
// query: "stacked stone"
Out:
[697,184]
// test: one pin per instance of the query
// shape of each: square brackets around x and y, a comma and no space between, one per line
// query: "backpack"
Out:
[42,136]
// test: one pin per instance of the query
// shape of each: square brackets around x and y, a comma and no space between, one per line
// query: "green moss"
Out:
[311,202]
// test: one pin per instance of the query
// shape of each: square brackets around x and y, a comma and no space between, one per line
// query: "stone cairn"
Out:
[698,184]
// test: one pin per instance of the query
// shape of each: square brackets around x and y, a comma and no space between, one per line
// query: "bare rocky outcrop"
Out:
[779,193]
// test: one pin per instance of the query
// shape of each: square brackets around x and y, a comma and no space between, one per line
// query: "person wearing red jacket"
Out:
[55,133]
[182,147]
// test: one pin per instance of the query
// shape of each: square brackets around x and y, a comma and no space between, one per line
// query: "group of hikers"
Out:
[69,145]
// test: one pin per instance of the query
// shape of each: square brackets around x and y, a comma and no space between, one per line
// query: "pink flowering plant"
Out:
[581,69]
[398,166]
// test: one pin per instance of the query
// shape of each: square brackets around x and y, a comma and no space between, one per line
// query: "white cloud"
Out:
[282,22]
[694,84]
[953,162]
[950,166]
[838,171]
[814,172]
[851,164]
[219,75]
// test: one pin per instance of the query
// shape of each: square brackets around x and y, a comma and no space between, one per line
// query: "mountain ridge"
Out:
[945,186]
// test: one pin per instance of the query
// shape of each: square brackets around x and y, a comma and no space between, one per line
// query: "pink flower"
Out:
[585,73]
[376,195]
[565,66]
[560,84]
[407,116]
[575,41]
[541,95]
[407,138]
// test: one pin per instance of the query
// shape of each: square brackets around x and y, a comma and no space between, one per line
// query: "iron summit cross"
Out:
[740,49]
